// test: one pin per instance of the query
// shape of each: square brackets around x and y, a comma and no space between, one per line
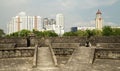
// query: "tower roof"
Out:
[22,14]
[98,12]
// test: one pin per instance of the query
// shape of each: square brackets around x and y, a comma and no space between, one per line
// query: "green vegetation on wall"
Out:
[1,33]
[106,31]
[45,33]
[25,33]
[87,33]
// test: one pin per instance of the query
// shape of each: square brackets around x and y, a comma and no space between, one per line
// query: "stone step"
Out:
[82,55]
[44,57]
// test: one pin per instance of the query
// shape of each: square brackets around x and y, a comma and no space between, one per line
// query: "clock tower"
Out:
[98,20]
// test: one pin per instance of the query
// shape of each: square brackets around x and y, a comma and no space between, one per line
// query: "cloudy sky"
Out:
[76,12]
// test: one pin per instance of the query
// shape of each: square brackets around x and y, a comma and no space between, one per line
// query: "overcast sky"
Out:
[76,12]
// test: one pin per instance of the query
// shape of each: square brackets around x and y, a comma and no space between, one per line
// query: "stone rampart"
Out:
[44,41]
[68,39]
[108,45]
[65,45]
[8,45]
[104,39]
[107,53]
[40,41]
[81,40]
[20,42]
[80,56]
[16,52]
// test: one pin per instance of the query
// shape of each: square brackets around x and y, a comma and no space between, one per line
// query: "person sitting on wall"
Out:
[87,44]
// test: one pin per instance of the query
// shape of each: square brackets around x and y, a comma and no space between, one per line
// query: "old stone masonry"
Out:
[60,54]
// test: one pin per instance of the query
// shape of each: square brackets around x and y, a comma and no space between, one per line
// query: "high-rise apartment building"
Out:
[60,19]
[98,20]
[49,24]
[60,24]
[45,22]
[22,21]
[52,21]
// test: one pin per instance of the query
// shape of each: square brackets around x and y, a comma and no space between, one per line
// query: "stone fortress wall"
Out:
[25,42]
[18,42]
[62,50]
[59,44]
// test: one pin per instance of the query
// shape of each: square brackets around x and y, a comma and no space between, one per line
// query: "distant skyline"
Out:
[76,12]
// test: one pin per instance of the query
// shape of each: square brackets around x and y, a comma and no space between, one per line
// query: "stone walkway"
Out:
[44,57]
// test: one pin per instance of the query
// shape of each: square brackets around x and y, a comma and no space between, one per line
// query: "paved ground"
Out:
[25,65]
[14,64]
[98,65]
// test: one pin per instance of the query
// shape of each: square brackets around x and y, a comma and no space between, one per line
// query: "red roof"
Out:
[98,12]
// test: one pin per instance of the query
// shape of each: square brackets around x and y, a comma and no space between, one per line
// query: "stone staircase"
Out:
[82,55]
[44,58]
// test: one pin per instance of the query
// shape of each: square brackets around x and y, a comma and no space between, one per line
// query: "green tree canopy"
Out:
[45,33]
[116,31]
[107,31]
[87,33]
[81,33]
[49,34]
[24,33]
[96,32]
[1,33]
[70,34]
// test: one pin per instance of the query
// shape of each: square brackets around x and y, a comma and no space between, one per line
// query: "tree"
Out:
[81,33]
[37,33]
[45,33]
[1,33]
[70,34]
[107,31]
[15,34]
[97,32]
[49,34]
[24,33]
[116,31]
[90,33]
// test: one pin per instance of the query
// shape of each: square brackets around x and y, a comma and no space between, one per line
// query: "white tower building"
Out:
[22,21]
[98,20]
[60,19]
[60,24]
